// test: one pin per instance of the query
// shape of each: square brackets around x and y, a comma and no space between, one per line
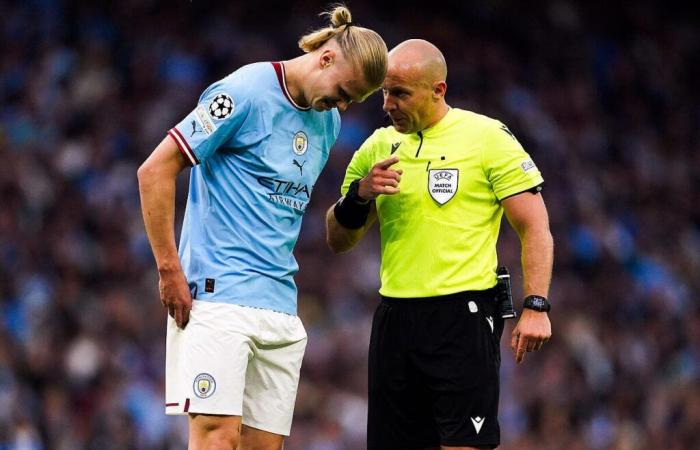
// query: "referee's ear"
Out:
[439,90]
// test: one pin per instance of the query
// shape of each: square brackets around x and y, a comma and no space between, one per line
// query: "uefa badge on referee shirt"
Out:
[442,184]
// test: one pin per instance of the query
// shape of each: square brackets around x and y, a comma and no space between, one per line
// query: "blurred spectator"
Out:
[603,95]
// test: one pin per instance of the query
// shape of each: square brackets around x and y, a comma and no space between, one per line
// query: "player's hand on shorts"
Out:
[175,295]
[382,179]
[530,334]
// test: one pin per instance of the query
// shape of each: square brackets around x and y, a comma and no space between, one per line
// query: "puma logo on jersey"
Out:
[195,129]
[300,166]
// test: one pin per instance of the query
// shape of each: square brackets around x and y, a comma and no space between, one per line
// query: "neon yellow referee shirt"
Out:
[438,235]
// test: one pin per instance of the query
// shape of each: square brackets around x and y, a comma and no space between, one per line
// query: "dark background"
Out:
[603,96]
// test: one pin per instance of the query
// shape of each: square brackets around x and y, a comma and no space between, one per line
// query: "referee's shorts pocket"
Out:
[493,327]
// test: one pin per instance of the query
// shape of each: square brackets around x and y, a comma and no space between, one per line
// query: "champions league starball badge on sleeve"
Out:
[221,107]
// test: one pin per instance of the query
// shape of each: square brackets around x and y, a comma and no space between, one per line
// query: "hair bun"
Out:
[340,15]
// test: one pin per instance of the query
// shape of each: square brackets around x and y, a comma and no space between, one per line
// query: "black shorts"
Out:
[433,372]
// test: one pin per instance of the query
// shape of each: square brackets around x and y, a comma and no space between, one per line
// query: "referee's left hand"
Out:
[530,334]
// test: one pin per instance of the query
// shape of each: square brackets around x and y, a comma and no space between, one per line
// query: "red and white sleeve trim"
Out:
[183,146]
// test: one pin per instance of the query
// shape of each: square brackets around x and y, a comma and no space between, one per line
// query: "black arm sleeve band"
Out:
[350,214]
[533,190]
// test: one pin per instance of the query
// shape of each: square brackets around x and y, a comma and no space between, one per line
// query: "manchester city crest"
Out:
[300,143]
[442,184]
[204,385]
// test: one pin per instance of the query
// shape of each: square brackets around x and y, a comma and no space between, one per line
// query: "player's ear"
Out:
[327,58]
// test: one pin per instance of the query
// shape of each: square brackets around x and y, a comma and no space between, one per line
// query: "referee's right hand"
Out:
[176,296]
[382,179]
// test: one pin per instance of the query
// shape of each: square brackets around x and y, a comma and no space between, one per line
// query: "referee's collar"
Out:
[440,124]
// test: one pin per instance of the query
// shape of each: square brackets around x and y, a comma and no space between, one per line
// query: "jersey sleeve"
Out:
[508,167]
[361,163]
[221,112]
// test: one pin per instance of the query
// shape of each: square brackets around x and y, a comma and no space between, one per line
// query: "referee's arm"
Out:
[343,229]
[527,214]
[341,239]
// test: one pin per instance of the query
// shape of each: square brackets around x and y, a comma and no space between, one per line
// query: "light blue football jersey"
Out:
[256,157]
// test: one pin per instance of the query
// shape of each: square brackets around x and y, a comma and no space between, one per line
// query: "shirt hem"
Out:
[429,294]
[250,304]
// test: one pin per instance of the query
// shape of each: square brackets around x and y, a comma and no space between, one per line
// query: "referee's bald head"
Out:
[420,58]
[414,88]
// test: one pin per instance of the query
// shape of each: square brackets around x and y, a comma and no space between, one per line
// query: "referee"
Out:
[439,181]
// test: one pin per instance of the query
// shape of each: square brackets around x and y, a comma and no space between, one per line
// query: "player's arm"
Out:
[527,214]
[156,178]
[348,220]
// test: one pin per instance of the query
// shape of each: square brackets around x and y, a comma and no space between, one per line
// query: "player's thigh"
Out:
[272,379]
[256,439]
[212,361]
[214,431]
[271,388]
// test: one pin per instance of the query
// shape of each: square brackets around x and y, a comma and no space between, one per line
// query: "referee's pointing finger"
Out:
[387,163]
[521,350]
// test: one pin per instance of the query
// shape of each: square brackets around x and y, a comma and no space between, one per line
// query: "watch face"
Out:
[537,303]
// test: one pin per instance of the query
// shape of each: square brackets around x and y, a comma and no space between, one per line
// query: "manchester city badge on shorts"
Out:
[442,184]
[221,107]
[300,143]
[204,385]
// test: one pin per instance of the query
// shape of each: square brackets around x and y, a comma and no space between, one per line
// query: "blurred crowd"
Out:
[604,97]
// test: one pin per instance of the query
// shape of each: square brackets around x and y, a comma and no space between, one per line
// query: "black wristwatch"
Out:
[353,193]
[537,303]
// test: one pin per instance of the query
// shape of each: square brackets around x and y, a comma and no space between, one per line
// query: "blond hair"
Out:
[362,46]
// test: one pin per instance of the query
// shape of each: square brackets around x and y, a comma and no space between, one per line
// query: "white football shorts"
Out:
[237,361]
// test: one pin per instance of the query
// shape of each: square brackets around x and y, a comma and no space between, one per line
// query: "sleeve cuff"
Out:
[183,146]
[519,188]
